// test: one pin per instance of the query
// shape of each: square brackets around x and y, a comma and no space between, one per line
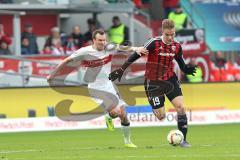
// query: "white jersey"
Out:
[98,65]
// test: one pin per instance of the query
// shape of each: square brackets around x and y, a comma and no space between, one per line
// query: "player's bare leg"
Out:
[109,117]
[181,118]
[160,113]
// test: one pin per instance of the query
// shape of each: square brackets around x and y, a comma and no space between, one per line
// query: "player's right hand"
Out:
[49,78]
[117,74]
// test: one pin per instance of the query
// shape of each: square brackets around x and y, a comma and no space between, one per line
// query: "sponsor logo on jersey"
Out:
[167,54]
[97,63]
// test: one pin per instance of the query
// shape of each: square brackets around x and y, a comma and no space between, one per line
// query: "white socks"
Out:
[126,134]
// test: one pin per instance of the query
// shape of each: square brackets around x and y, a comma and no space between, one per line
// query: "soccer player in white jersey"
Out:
[98,61]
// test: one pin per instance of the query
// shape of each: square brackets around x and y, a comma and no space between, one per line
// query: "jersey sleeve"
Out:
[149,45]
[179,58]
[179,53]
[77,55]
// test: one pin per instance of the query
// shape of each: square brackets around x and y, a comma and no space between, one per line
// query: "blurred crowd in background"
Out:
[61,43]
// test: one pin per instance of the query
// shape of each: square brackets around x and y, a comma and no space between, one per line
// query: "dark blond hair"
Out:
[168,24]
[98,31]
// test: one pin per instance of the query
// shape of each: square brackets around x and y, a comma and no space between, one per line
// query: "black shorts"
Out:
[156,91]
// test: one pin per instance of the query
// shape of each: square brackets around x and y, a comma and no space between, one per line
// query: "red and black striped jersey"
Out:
[159,64]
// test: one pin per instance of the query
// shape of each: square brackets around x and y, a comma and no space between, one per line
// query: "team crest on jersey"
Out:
[173,48]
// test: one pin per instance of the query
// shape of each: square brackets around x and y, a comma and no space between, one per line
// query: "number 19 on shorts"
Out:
[156,101]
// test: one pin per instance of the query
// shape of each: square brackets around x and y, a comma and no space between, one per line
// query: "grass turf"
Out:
[213,142]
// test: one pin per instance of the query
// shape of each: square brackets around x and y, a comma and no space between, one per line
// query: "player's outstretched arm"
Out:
[59,68]
[187,69]
[125,48]
[139,50]
[117,74]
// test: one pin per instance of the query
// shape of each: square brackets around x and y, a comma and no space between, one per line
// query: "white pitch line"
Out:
[141,157]
[18,151]
[181,156]
[138,157]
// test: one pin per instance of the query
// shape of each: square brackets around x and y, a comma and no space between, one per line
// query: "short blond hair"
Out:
[168,24]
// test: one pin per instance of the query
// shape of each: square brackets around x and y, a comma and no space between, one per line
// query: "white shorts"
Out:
[106,94]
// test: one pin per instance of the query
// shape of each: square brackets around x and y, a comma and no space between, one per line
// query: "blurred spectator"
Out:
[138,3]
[77,37]
[236,67]
[5,41]
[118,33]
[54,42]
[54,38]
[169,6]
[3,36]
[198,77]
[46,50]
[92,25]
[221,70]
[25,47]
[179,17]
[4,50]
[28,33]
[2,33]
[70,47]
[64,38]
[6,1]
[57,49]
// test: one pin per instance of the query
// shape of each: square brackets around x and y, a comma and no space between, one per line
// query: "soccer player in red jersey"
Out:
[160,79]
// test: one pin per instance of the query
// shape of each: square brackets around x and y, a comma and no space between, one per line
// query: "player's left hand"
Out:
[117,74]
[141,51]
[190,70]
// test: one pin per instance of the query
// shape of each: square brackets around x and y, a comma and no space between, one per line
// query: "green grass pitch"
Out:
[212,142]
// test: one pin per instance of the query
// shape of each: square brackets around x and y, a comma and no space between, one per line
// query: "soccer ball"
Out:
[175,137]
